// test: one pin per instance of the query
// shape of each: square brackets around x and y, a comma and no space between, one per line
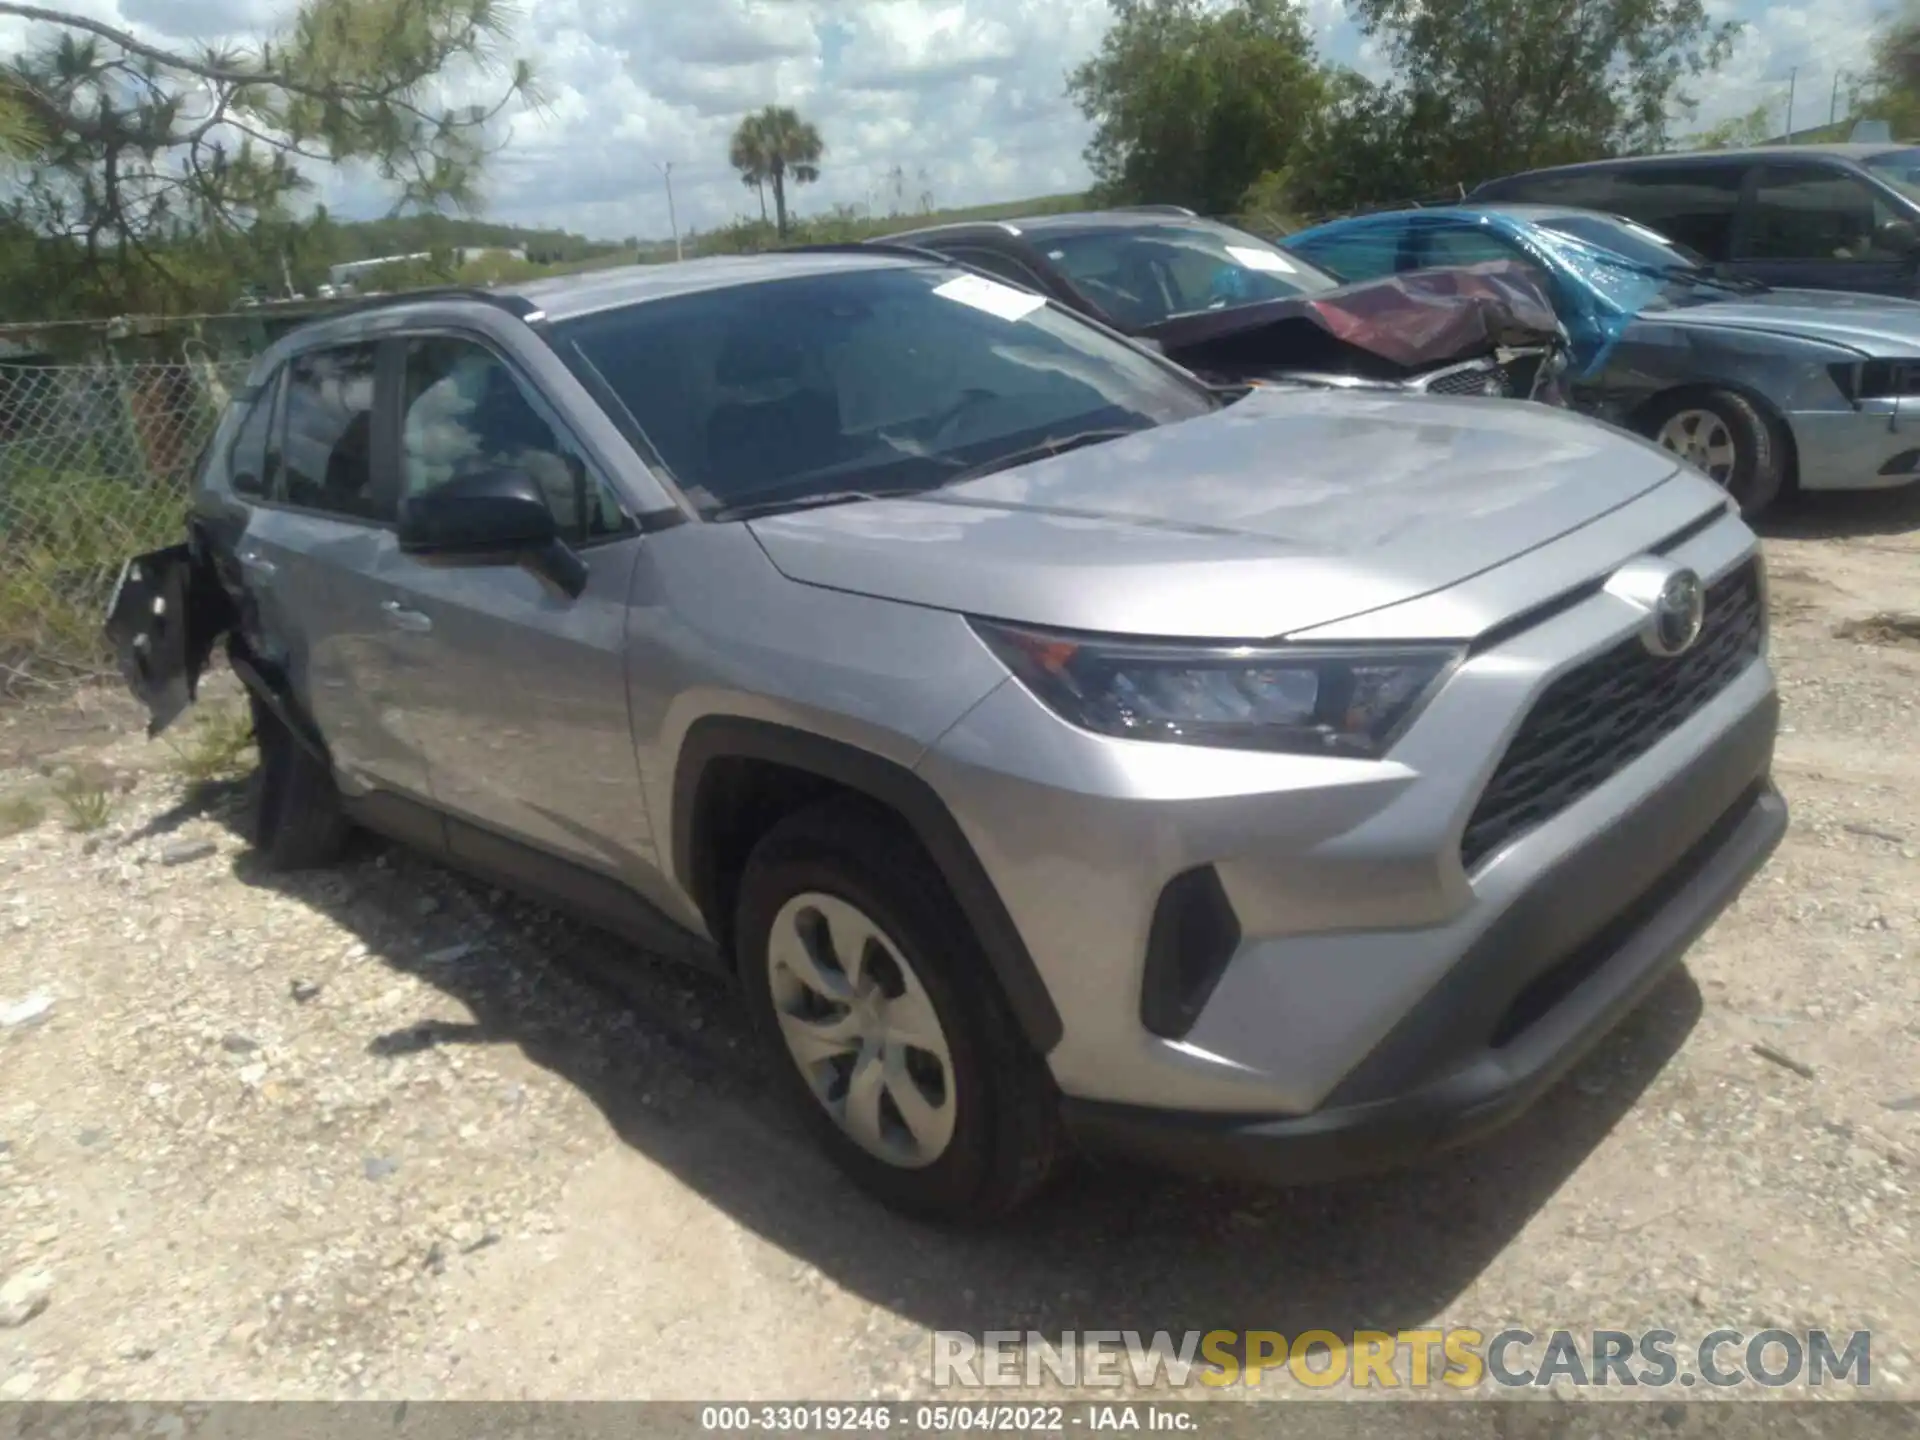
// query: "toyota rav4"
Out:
[1059,750]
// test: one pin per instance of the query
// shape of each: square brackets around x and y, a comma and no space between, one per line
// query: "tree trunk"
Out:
[780,199]
[761,186]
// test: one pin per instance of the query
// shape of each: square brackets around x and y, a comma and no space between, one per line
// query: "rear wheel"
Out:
[298,823]
[1724,436]
[885,1025]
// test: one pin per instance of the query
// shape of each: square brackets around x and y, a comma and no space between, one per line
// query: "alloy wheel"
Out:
[1703,440]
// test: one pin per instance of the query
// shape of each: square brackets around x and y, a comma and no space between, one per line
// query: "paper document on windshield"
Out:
[1260,259]
[990,296]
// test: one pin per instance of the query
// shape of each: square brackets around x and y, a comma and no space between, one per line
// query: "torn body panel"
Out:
[168,611]
[1397,329]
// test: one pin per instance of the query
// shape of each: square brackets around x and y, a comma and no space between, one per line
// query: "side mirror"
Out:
[1900,236]
[491,517]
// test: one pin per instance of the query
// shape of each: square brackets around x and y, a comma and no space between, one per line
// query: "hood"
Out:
[1874,324]
[1287,510]
[1404,324]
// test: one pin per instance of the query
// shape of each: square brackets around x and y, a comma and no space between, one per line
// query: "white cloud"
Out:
[1826,41]
[966,98]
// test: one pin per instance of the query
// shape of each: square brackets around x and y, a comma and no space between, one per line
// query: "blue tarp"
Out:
[1596,292]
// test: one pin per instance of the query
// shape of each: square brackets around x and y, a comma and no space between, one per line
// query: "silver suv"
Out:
[1281,783]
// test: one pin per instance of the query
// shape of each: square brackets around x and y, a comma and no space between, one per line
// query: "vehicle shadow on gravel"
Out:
[1843,514]
[667,1058]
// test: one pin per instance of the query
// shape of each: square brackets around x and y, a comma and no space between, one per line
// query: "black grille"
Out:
[1470,380]
[1610,711]
[1510,379]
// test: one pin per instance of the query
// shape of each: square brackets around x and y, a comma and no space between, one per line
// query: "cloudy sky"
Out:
[965,97]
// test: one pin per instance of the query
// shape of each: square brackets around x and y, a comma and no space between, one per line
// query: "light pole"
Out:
[1833,105]
[665,167]
[1792,76]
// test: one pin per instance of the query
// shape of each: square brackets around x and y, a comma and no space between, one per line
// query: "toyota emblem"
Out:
[1672,597]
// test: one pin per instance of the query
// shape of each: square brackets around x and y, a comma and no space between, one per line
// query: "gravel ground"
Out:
[379,1131]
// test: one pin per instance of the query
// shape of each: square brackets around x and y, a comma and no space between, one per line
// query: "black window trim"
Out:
[542,403]
[965,252]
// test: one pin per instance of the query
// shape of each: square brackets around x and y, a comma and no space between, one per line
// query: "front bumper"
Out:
[1874,447]
[1617,915]
[1369,968]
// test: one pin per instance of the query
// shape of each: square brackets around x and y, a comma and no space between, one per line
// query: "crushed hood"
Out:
[1287,510]
[1874,324]
[1402,324]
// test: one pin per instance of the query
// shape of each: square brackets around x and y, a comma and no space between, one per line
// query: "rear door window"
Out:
[1357,255]
[1693,204]
[1809,212]
[1459,245]
[1581,190]
[327,437]
[251,460]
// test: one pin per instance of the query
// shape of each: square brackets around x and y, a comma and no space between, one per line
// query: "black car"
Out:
[1811,217]
[1234,307]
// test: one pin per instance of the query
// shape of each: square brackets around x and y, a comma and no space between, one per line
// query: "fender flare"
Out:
[722,737]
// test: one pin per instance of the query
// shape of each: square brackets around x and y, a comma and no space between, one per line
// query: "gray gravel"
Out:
[384,1132]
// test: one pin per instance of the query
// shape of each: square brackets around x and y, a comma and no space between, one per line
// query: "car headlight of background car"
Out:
[1876,379]
[1300,699]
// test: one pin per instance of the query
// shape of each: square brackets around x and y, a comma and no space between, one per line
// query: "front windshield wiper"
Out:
[748,509]
[1714,275]
[1044,450]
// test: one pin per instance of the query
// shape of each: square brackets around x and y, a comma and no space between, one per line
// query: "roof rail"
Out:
[881,246]
[1160,210]
[517,305]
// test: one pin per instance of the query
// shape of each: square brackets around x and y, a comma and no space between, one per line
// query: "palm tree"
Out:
[773,147]
[746,157]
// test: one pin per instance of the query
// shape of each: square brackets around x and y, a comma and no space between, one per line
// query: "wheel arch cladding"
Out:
[736,777]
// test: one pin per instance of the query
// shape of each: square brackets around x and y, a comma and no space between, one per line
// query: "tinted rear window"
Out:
[1584,189]
[1691,204]
[1142,276]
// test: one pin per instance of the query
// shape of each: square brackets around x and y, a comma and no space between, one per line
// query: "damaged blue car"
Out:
[1763,389]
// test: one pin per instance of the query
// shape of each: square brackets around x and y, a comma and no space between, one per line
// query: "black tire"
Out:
[1760,453]
[1006,1139]
[298,823]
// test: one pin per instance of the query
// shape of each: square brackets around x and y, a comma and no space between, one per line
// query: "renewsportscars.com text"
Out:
[1459,1359]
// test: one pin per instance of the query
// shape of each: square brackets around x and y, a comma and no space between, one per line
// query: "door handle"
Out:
[401,618]
[257,566]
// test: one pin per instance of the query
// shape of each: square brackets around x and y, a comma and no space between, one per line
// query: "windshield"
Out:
[890,379]
[1899,168]
[1142,275]
[1639,244]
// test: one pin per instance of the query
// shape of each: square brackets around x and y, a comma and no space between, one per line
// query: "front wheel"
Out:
[298,823]
[887,1029]
[1723,435]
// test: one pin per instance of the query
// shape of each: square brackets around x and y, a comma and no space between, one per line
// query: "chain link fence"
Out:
[95,465]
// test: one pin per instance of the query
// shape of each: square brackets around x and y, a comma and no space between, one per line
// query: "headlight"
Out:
[1876,379]
[1301,699]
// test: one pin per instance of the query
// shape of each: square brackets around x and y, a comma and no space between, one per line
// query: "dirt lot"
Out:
[379,1131]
